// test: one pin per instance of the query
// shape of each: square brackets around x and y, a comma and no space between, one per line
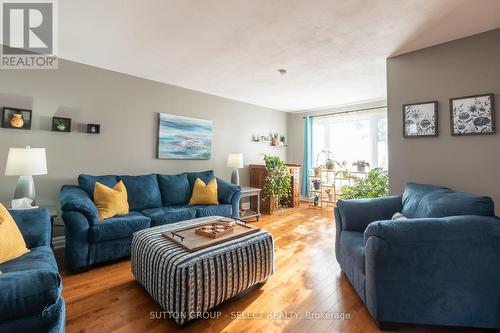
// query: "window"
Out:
[350,137]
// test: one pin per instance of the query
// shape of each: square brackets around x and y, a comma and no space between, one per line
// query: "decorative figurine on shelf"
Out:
[361,165]
[275,141]
[316,200]
[283,140]
[329,193]
[17,120]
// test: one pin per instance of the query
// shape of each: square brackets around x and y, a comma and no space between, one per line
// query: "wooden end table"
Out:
[248,192]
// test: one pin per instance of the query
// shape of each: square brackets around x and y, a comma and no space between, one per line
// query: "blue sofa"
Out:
[153,199]
[439,266]
[30,286]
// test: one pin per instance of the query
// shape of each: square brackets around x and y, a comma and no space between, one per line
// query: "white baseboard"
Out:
[59,242]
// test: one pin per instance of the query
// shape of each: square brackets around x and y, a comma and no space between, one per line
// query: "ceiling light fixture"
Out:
[282,71]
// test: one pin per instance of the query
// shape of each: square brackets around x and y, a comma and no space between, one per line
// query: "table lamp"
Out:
[235,161]
[26,163]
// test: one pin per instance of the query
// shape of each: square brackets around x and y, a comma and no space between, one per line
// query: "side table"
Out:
[248,192]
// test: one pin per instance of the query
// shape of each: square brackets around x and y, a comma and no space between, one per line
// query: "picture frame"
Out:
[60,124]
[93,128]
[16,118]
[472,115]
[420,119]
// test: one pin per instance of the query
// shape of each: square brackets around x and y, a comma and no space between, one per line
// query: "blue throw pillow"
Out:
[143,191]
[174,189]
[206,176]
[87,182]
[429,201]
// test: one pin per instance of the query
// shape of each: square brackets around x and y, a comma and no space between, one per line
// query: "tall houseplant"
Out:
[376,184]
[278,182]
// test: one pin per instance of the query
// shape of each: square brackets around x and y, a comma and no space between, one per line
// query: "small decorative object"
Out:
[26,163]
[16,118]
[316,200]
[420,119]
[317,171]
[361,165]
[329,193]
[283,140]
[61,124]
[235,161]
[184,138]
[329,164]
[275,141]
[316,183]
[255,137]
[472,115]
[93,128]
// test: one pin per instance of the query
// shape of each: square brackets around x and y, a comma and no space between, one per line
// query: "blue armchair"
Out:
[30,286]
[153,199]
[438,266]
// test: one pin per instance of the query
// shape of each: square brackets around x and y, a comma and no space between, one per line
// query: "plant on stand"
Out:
[343,172]
[361,165]
[329,193]
[278,184]
[376,184]
[316,183]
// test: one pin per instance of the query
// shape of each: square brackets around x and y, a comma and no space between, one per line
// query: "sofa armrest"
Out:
[356,214]
[35,226]
[73,198]
[228,193]
[76,231]
[452,228]
[416,268]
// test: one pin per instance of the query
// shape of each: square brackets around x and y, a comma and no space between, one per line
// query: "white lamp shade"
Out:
[26,162]
[235,160]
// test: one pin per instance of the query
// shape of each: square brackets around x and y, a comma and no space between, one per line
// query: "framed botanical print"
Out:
[420,119]
[472,115]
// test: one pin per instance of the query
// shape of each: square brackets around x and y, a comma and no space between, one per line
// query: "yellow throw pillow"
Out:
[12,243]
[204,194]
[110,201]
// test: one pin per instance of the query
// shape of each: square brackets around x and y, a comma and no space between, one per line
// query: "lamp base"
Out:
[235,177]
[25,188]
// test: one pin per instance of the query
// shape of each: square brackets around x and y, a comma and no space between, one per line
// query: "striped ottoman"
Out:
[188,284]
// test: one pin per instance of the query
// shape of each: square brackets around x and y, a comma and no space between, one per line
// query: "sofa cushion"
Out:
[212,210]
[174,189]
[118,227]
[143,191]
[12,244]
[204,193]
[206,176]
[29,284]
[427,201]
[353,246]
[87,182]
[166,215]
[111,201]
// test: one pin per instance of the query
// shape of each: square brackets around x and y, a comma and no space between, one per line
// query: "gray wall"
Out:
[459,68]
[126,107]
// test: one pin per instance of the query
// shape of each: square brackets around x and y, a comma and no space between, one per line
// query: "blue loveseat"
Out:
[30,286]
[154,200]
[438,266]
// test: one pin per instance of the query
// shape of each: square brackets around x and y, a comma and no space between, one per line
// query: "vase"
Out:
[361,168]
[317,172]
[316,186]
[17,120]
[330,196]
[329,165]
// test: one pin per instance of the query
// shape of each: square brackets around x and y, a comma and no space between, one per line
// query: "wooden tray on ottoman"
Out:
[193,240]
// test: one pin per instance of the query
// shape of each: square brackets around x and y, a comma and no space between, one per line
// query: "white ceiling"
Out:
[334,50]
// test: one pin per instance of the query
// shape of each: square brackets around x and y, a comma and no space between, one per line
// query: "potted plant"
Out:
[316,183]
[374,185]
[329,193]
[361,165]
[278,183]
[317,171]
[330,164]
[343,172]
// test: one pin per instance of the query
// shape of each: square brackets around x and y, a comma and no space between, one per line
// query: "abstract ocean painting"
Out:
[184,138]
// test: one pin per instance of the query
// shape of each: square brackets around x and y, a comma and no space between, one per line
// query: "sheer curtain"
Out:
[350,137]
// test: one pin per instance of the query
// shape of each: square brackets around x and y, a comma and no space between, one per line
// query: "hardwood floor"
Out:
[307,280]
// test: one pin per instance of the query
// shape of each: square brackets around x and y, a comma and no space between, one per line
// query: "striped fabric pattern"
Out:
[188,284]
